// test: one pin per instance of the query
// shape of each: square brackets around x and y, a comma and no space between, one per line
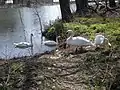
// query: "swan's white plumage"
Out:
[77,41]
[100,39]
[23,45]
[51,42]
[9,2]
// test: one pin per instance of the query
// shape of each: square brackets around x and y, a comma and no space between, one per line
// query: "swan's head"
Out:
[31,34]
[57,38]
[70,33]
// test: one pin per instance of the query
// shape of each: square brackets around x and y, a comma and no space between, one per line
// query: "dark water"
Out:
[16,25]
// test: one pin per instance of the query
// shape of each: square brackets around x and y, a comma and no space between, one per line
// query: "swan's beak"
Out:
[68,33]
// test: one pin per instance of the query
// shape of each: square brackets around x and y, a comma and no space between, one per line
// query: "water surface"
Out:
[16,25]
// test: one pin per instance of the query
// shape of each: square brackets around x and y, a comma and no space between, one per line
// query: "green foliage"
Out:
[16,68]
[55,30]
[3,88]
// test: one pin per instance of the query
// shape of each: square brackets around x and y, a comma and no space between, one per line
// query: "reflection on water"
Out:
[17,27]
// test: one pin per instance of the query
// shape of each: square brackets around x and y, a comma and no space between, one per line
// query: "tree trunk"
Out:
[81,6]
[65,10]
[112,3]
[119,2]
[28,3]
[78,6]
[22,2]
[3,2]
[85,5]
[14,2]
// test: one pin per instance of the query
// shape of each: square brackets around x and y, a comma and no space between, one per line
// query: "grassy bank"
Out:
[61,70]
[88,27]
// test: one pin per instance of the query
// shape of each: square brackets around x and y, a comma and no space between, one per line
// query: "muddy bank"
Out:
[61,70]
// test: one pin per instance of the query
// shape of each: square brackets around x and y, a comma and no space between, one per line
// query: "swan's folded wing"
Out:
[101,40]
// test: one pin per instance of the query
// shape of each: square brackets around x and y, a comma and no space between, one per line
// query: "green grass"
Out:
[88,27]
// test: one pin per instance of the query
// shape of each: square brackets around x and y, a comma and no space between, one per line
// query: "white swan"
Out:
[77,41]
[51,43]
[100,40]
[23,45]
[9,2]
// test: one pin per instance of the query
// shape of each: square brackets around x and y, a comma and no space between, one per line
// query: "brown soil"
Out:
[61,70]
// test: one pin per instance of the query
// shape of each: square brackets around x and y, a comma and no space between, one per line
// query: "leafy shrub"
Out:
[55,30]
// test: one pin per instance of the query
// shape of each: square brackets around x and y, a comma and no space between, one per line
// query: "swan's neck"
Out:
[70,37]
[108,41]
[72,34]
[57,40]
[31,40]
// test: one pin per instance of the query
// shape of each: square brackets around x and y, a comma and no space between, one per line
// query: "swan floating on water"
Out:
[23,45]
[51,43]
[9,2]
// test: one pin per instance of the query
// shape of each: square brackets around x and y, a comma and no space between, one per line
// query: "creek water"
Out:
[16,25]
